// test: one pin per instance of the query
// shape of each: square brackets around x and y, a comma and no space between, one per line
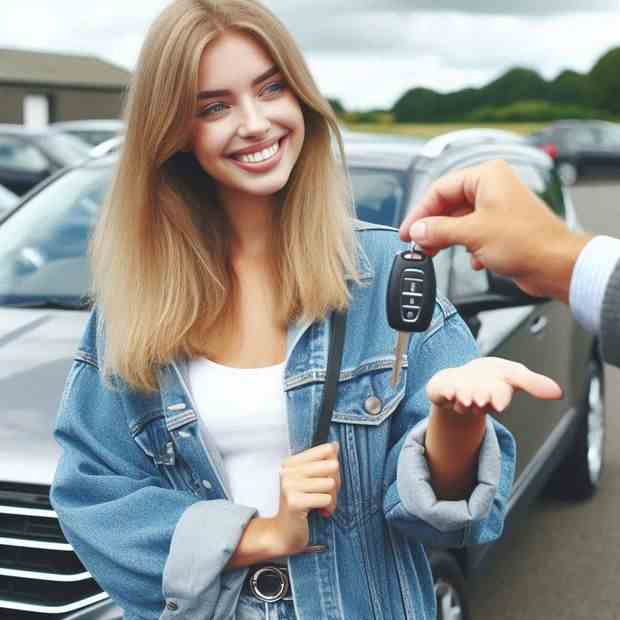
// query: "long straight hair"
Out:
[162,277]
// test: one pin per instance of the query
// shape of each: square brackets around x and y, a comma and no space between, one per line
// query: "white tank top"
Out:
[244,409]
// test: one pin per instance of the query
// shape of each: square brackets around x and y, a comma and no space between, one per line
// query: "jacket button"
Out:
[373,405]
[172,606]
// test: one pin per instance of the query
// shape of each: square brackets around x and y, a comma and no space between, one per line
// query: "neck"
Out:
[252,220]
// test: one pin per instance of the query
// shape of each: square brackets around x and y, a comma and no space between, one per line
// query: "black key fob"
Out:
[411,292]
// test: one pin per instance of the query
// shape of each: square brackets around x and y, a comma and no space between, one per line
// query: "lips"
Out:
[266,165]
[256,148]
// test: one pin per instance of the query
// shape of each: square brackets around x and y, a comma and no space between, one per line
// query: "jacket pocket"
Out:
[361,424]
[154,439]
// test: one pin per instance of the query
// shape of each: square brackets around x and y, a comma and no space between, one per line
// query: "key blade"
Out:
[402,340]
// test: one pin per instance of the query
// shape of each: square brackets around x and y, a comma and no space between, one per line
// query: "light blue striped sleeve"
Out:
[590,276]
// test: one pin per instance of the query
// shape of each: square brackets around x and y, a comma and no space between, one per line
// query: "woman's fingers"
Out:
[324,451]
[535,384]
[486,385]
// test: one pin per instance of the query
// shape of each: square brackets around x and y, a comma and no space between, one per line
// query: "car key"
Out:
[410,299]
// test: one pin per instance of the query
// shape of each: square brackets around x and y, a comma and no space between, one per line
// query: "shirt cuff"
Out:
[593,268]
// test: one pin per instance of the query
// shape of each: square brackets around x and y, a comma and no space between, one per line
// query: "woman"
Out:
[187,485]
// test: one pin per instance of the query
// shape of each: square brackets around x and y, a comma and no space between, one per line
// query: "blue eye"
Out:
[213,109]
[275,87]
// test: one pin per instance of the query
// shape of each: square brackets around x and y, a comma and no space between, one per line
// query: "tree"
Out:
[570,87]
[604,81]
[336,106]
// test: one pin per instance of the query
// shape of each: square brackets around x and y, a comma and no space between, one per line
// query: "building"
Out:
[37,88]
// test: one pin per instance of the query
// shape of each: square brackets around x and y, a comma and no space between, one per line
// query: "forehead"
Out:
[233,58]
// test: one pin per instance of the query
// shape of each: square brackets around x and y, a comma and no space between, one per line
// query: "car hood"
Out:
[36,351]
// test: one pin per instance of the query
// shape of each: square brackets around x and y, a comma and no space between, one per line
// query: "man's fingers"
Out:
[454,190]
[437,233]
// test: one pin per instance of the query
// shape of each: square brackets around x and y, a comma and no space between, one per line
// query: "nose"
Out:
[253,121]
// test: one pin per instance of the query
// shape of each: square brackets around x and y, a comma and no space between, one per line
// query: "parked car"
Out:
[7,200]
[107,147]
[28,156]
[581,149]
[44,277]
[93,132]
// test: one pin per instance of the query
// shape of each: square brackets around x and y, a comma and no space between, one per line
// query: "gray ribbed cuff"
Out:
[417,493]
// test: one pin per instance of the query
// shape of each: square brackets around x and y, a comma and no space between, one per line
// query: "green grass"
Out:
[429,130]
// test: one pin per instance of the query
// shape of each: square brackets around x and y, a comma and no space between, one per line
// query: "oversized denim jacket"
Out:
[141,491]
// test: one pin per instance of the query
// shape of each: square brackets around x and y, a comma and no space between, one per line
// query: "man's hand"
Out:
[504,226]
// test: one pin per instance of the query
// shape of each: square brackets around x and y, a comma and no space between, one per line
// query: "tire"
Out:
[450,588]
[568,173]
[577,478]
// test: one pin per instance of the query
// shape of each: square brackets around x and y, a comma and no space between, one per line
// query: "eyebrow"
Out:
[208,94]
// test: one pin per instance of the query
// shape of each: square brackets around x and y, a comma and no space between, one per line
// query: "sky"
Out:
[366,53]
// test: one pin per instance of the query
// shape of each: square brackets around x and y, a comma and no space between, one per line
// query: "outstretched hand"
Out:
[487,385]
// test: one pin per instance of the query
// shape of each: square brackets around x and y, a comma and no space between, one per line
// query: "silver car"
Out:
[44,280]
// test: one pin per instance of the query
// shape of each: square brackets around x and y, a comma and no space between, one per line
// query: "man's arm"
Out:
[472,207]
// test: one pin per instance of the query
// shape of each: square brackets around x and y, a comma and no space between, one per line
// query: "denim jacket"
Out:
[141,491]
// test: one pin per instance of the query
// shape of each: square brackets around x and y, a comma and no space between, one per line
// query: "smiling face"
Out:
[249,128]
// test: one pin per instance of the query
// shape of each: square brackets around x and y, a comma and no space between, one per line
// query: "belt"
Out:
[268,583]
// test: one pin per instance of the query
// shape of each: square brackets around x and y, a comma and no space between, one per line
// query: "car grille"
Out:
[40,575]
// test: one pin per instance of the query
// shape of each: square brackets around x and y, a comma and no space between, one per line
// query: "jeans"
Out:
[250,608]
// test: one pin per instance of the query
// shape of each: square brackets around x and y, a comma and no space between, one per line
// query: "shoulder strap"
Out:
[334,360]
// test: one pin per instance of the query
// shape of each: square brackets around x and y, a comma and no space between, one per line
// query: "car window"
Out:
[580,137]
[43,245]
[92,136]
[378,194]
[610,136]
[19,155]
[66,150]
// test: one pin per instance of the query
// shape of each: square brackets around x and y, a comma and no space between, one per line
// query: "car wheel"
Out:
[449,586]
[578,476]
[568,173]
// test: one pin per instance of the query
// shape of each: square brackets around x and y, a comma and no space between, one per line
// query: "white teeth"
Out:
[254,158]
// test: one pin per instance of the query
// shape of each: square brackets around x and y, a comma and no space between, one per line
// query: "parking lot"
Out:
[563,562]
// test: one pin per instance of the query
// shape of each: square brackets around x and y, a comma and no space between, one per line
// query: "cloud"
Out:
[488,7]
[366,52]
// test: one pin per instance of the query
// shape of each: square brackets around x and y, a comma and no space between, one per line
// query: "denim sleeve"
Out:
[143,542]
[410,503]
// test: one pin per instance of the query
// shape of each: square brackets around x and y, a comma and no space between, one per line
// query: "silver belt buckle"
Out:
[270,592]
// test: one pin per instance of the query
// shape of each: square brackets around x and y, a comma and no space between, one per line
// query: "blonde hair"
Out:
[161,270]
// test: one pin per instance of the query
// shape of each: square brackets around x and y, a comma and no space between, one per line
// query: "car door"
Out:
[536,334]
[22,165]
[589,149]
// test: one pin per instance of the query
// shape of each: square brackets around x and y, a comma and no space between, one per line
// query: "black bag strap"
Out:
[334,360]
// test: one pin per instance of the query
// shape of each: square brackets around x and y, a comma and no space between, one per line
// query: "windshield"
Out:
[43,245]
[67,150]
[378,194]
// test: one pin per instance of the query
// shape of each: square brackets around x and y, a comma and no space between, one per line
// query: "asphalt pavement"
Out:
[563,561]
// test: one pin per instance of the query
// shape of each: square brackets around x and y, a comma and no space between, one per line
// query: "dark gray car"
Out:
[581,149]
[43,279]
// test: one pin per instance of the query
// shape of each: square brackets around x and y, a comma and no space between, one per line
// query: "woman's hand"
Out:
[486,385]
[308,480]
[459,399]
